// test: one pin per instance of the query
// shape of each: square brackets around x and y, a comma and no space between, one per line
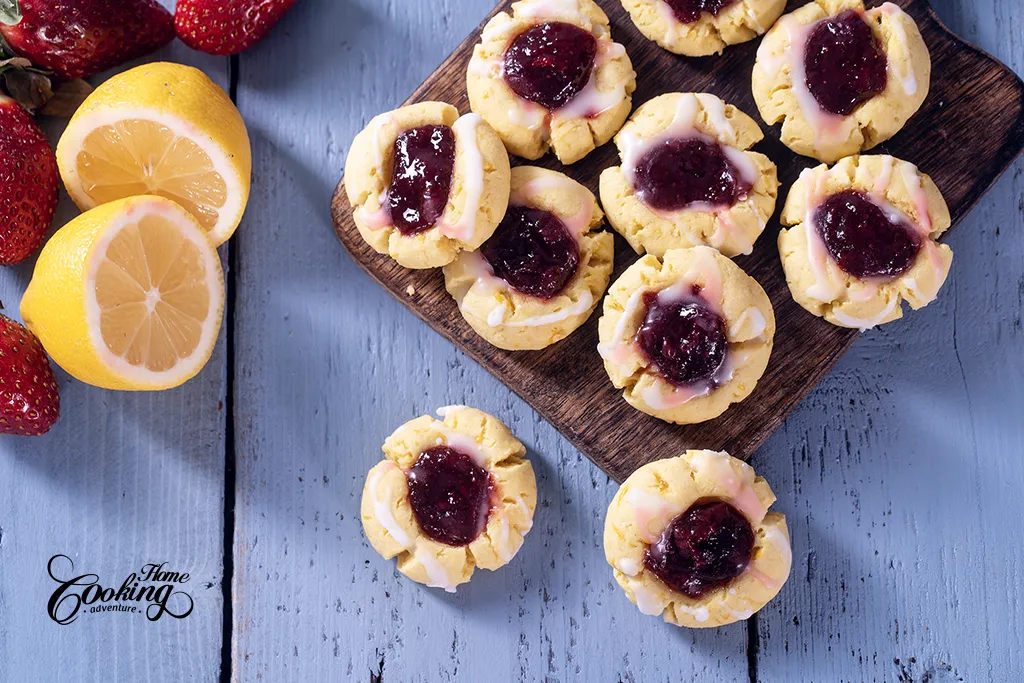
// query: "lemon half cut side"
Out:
[129,295]
[160,129]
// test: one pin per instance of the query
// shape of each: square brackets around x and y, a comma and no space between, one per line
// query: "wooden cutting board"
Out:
[967,133]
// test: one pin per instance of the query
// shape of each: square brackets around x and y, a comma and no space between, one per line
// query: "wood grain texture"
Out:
[121,480]
[329,365]
[968,131]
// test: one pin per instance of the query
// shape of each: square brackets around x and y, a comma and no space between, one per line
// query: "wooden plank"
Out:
[122,480]
[967,132]
[329,365]
[901,473]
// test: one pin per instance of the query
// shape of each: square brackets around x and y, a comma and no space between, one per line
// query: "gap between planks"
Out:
[228,562]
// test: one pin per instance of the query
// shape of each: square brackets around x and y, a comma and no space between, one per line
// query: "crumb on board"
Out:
[410,290]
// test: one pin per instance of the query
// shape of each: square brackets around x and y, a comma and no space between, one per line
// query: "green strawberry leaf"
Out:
[10,12]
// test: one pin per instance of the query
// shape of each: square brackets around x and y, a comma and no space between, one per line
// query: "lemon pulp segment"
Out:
[152,293]
[136,156]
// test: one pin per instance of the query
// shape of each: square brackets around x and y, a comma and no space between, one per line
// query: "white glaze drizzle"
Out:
[577,224]
[650,510]
[771,64]
[865,324]
[646,601]
[739,491]
[662,396]
[497,314]
[824,289]
[618,348]
[628,566]
[827,127]
[751,316]
[774,536]
[668,17]
[436,574]
[381,217]
[765,579]
[374,220]
[488,68]
[377,124]
[382,512]
[590,102]
[462,443]
[502,547]
[739,615]
[881,183]
[529,115]
[535,9]
[700,613]
[754,23]
[912,181]
[527,516]
[908,80]
[704,273]
[472,179]
[443,411]
[580,307]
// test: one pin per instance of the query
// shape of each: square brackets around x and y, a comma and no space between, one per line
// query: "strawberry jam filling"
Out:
[550,63]
[533,251]
[702,549]
[684,340]
[845,63]
[863,239]
[424,163]
[684,172]
[450,495]
[689,11]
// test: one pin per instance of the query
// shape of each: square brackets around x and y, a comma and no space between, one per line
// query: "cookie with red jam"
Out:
[863,240]
[691,539]
[697,28]
[839,78]
[425,183]
[688,177]
[450,495]
[548,76]
[545,269]
[687,336]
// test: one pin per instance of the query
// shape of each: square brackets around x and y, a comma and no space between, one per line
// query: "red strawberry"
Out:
[29,403]
[28,183]
[79,38]
[226,27]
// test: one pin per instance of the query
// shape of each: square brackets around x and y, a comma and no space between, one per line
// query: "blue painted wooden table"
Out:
[900,475]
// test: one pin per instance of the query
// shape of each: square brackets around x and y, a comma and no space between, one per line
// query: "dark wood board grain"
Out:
[968,131]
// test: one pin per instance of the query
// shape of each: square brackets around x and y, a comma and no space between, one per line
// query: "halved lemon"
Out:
[160,129]
[129,295]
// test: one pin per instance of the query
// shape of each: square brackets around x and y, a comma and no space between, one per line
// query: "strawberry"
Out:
[79,38]
[226,27]
[29,402]
[28,183]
